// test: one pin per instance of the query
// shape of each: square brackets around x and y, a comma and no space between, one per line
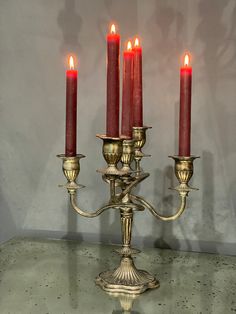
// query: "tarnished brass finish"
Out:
[139,136]
[184,171]
[112,152]
[127,155]
[126,278]
[71,169]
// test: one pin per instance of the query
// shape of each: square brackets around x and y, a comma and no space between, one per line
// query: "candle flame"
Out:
[136,42]
[129,45]
[71,63]
[186,59]
[113,29]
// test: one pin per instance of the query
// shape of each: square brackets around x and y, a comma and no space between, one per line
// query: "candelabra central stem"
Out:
[126,217]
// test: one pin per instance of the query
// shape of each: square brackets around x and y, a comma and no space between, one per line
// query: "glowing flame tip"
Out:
[186,59]
[136,42]
[129,45]
[113,29]
[71,63]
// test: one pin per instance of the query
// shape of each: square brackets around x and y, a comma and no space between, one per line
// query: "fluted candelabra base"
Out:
[126,279]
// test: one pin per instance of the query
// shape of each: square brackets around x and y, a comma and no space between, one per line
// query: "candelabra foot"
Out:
[126,279]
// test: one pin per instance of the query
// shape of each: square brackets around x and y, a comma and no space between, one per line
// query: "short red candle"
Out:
[113,83]
[127,92]
[71,109]
[185,108]
[138,92]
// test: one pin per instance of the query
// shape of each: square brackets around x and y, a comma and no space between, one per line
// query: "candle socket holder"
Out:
[126,278]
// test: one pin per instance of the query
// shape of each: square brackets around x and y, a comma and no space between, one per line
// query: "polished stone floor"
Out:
[57,277]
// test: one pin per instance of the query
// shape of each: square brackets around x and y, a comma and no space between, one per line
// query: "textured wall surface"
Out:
[36,36]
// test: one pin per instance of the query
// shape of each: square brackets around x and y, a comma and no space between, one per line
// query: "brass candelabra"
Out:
[126,278]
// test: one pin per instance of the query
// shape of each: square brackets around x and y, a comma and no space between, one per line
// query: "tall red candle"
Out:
[185,108]
[127,92]
[71,109]
[138,92]
[113,83]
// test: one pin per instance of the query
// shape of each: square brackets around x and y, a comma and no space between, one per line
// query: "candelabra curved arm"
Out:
[99,211]
[183,172]
[96,213]
[153,211]
[71,168]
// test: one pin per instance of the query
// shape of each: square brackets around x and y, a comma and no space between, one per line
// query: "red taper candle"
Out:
[127,92]
[138,91]
[185,108]
[113,83]
[71,109]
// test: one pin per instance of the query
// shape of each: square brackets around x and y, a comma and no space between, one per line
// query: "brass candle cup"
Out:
[127,155]
[112,150]
[184,171]
[71,170]
[139,137]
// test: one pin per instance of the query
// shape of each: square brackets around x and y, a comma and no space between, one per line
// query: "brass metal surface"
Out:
[126,278]
[71,170]
[139,137]
[127,155]
[112,152]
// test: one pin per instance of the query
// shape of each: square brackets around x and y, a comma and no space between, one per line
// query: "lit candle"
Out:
[113,83]
[185,108]
[127,92]
[71,109]
[138,92]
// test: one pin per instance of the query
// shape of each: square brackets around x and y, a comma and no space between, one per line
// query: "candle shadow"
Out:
[207,226]
[218,64]
[164,18]
[213,34]
[8,227]
[70,23]
[163,202]
[166,201]
[73,243]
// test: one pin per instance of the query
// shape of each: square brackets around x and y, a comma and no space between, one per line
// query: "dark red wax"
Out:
[127,94]
[185,111]
[138,92]
[113,85]
[71,112]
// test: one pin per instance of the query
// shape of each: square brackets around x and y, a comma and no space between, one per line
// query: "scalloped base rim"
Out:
[114,287]
[126,278]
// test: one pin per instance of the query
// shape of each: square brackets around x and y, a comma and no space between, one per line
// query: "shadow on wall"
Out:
[207,225]
[161,23]
[70,23]
[169,202]
[217,39]
[8,228]
[72,252]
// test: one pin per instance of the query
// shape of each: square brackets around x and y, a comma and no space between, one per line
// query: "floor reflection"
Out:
[126,303]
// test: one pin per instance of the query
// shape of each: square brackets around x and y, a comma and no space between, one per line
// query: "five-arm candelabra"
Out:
[126,278]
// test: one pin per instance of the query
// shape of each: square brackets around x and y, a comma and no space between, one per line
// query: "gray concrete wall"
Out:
[35,37]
